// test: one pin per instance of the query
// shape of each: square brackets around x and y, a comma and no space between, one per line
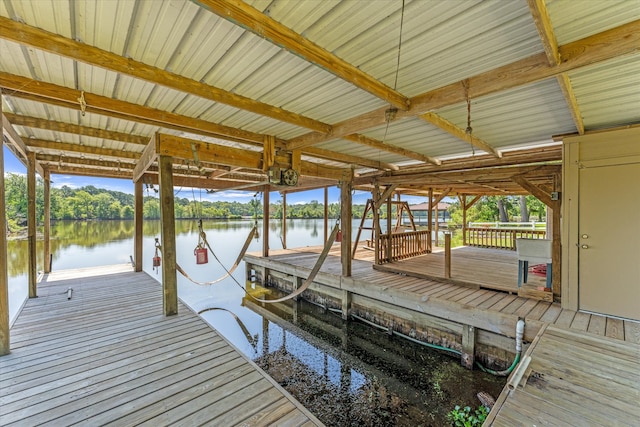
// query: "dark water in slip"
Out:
[346,373]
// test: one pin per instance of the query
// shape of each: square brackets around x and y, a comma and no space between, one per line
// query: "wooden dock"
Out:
[479,268]
[109,356]
[573,379]
[486,309]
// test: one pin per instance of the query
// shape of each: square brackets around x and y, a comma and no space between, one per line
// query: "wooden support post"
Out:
[5,343]
[430,217]
[376,224]
[326,214]
[389,231]
[346,304]
[284,220]
[437,226]
[138,203]
[345,224]
[31,223]
[168,226]
[556,253]
[467,358]
[47,220]
[265,221]
[463,203]
[447,255]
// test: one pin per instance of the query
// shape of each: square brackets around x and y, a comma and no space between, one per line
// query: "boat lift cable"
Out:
[252,339]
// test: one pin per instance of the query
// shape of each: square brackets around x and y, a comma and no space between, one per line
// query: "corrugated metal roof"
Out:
[573,20]
[442,43]
[609,93]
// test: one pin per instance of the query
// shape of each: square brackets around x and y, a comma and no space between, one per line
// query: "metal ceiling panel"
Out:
[51,15]
[576,19]
[609,93]
[517,117]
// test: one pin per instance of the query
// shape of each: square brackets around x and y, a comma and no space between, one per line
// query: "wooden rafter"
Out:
[55,126]
[374,143]
[102,104]
[50,42]
[36,144]
[536,191]
[444,124]
[542,20]
[321,153]
[18,144]
[622,40]
[264,26]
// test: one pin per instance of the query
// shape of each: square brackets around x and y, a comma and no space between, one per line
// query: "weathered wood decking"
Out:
[584,369]
[486,309]
[573,379]
[472,267]
[109,356]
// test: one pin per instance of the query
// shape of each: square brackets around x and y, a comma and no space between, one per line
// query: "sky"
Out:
[13,165]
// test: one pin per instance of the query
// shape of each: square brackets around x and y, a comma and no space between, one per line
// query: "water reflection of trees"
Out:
[92,234]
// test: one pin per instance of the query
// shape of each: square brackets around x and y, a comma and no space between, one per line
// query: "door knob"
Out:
[585,236]
[584,246]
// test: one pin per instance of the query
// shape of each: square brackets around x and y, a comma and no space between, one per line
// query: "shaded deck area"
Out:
[487,309]
[109,356]
[573,379]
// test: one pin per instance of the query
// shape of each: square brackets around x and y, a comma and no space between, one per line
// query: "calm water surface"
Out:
[345,373]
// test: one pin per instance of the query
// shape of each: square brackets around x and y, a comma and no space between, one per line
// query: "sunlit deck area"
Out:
[110,356]
[487,309]
[472,267]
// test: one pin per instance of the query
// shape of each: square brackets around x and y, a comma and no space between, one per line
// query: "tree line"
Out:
[89,203]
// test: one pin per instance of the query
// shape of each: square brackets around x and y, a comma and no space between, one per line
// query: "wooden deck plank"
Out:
[581,321]
[597,324]
[572,381]
[614,328]
[109,355]
[632,331]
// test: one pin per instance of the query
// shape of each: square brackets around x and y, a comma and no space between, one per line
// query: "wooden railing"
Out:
[404,245]
[501,238]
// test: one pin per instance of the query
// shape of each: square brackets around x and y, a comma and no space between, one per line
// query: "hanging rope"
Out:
[202,240]
[390,113]
[252,339]
[469,129]
[312,275]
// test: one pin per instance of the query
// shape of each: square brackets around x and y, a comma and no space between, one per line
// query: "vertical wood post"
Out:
[284,220]
[345,221]
[265,221]
[47,220]
[463,202]
[389,231]
[31,223]
[326,214]
[138,204]
[376,224]
[346,304]
[556,253]
[5,343]
[168,224]
[437,225]
[430,217]
[447,255]
[467,358]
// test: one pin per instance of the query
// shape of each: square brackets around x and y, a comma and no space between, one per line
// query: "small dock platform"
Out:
[108,356]
[572,379]
[486,309]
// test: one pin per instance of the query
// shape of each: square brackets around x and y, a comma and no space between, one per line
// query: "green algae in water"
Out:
[350,374]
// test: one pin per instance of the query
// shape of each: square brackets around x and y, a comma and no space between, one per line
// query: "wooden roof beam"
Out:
[54,126]
[619,41]
[264,26]
[445,125]
[34,144]
[129,111]
[541,194]
[199,130]
[542,20]
[374,143]
[19,147]
[54,43]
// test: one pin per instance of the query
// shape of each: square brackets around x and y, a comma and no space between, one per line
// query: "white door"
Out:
[609,240]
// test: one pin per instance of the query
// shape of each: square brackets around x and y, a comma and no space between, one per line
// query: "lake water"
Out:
[346,373]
